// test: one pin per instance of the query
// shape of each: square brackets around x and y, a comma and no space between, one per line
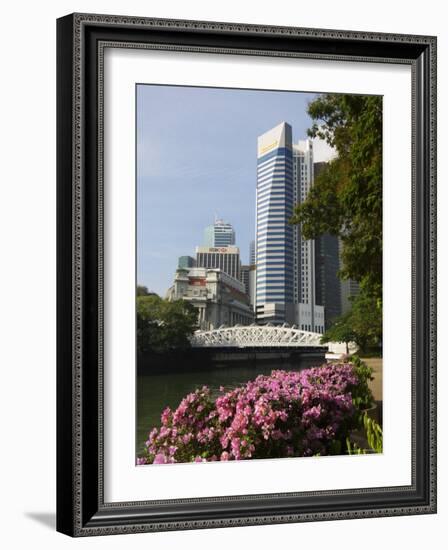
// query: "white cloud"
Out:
[322,151]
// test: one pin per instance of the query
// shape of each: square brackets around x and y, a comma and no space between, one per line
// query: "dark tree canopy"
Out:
[346,198]
[143,291]
[346,201]
[162,325]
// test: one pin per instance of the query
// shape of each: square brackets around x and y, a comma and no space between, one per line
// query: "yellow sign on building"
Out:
[267,148]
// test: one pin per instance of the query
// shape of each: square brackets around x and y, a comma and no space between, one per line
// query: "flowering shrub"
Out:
[285,414]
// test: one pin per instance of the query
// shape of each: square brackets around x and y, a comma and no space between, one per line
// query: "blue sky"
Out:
[196,157]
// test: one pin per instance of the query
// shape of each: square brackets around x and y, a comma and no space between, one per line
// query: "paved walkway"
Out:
[376,385]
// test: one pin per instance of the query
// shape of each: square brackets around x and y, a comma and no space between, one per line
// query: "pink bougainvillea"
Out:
[286,414]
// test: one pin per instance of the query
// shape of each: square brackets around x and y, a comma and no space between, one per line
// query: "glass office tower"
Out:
[220,233]
[274,236]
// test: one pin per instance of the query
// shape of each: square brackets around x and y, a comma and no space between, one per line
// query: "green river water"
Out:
[157,391]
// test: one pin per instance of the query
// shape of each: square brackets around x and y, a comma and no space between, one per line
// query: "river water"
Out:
[157,391]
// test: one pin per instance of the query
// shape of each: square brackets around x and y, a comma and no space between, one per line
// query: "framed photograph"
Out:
[246,274]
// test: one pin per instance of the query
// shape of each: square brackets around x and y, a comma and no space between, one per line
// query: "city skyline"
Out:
[212,171]
[257,245]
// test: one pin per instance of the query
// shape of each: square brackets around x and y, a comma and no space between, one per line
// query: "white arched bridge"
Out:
[257,336]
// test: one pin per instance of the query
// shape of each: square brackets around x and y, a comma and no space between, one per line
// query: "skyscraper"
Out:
[186,261]
[251,273]
[349,290]
[220,233]
[328,284]
[245,271]
[308,315]
[304,250]
[225,258]
[252,257]
[274,239]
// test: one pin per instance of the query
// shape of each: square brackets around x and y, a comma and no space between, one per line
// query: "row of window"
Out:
[274,201]
[308,328]
[273,224]
[229,263]
[275,168]
[267,210]
[281,152]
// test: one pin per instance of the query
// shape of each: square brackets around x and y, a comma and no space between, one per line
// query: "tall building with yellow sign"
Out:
[274,236]
[285,262]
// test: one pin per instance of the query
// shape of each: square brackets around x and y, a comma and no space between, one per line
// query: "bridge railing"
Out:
[257,336]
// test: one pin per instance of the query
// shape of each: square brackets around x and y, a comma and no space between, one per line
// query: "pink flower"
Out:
[166,416]
[283,414]
[187,438]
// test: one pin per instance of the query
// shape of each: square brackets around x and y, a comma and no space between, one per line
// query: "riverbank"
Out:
[206,359]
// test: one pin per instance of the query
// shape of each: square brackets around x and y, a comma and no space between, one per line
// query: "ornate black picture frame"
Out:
[81,509]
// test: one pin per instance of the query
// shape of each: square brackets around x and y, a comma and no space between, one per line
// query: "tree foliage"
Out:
[340,331]
[346,198]
[142,290]
[162,325]
[362,324]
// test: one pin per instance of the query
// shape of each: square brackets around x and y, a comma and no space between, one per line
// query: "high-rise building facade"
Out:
[274,239]
[245,270]
[308,313]
[349,291]
[219,234]
[252,255]
[225,258]
[327,265]
[304,250]
[328,284]
[248,273]
[186,261]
